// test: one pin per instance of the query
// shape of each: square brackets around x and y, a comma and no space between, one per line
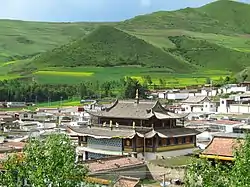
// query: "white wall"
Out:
[162,95]
[189,108]
[235,89]
[177,96]
[209,107]
[223,107]
[235,108]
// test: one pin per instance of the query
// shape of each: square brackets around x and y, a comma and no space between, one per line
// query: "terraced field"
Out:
[80,74]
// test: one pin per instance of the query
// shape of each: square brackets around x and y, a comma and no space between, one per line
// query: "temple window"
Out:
[128,143]
[149,142]
[191,139]
[175,140]
[160,142]
[183,139]
[168,141]
[180,140]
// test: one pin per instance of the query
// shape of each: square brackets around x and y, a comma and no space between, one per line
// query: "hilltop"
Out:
[223,16]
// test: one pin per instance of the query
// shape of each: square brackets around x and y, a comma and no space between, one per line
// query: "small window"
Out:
[160,142]
[211,106]
[25,115]
[206,106]
[201,109]
[183,139]
[168,141]
[175,140]
[222,102]
[191,139]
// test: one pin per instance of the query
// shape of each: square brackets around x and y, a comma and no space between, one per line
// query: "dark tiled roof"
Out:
[230,135]
[195,99]
[131,110]
[104,165]
[222,146]
[177,131]
[103,131]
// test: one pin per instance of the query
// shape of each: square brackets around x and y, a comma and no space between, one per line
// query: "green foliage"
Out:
[129,88]
[204,173]
[45,162]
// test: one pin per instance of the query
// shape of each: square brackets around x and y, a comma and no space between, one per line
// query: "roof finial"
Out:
[137,96]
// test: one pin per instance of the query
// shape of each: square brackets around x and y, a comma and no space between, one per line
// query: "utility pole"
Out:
[164,180]
[61,101]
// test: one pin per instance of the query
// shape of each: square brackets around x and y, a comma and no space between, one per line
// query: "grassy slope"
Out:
[208,55]
[207,19]
[108,46]
[20,39]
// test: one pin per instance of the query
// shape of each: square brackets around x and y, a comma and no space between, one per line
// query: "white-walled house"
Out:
[197,104]
[209,106]
[178,96]
[162,95]
[209,92]
[232,88]
[224,105]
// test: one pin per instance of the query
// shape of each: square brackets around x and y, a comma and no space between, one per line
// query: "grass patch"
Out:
[64,73]
[79,74]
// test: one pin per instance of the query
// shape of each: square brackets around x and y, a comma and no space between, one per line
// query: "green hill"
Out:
[223,16]
[108,46]
[23,39]
[190,40]
[208,55]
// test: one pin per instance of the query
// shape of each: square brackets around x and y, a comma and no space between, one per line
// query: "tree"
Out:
[148,79]
[244,77]
[130,87]
[162,82]
[204,173]
[44,162]
[208,80]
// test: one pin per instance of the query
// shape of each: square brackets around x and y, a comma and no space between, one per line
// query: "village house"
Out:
[133,127]
[222,146]
[111,168]
[232,88]
[198,104]
[224,106]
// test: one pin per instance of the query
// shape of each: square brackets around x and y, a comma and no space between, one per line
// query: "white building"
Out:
[16,104]
[198,104]
[224,105]
[209,92]
[178,96]
[232,88]
[209,106]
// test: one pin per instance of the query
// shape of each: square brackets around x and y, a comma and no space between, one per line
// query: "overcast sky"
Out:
[88,10]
